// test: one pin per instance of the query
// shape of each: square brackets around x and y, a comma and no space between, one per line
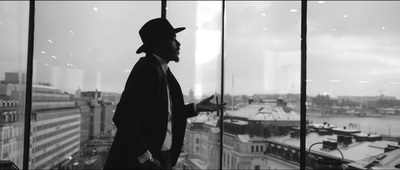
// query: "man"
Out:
[151,115]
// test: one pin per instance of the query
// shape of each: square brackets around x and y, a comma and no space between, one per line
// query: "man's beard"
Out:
[175,56]
[176,59]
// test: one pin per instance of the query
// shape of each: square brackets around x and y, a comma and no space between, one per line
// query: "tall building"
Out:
[55,128]
[102,106]
[95,119]
[85,113]
[107,113]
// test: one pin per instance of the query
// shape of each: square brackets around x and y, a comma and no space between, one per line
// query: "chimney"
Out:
[251,101]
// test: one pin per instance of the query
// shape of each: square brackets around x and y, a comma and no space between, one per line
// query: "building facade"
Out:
[244,147]
[107,113]
[55,128]
[11,130]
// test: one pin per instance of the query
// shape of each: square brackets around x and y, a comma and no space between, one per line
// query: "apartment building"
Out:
[11,130]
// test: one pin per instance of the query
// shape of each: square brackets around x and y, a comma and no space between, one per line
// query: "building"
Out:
[263,119]
[366,98]
[102,107]
[85,113]
[11,131]
[55,128]
[324,141]
[11,118]
[95,119]
[92,94]
[201,145]
[107,113]
[244,145]
[13,78]
[390,159]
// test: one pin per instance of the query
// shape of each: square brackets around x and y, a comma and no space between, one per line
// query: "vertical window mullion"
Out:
[163,8]
[28,85]
[303,87]
[221,112]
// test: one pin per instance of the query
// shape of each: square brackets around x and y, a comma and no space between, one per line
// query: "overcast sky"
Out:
[353,47]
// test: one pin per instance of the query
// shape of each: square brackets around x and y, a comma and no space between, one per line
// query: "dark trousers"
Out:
[165,159]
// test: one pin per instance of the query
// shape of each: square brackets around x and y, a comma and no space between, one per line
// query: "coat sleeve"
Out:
[190,111]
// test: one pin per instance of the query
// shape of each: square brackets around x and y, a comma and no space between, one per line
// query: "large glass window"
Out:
[84,52]
[13,56]
[199,74]
[262,82]
[353,79]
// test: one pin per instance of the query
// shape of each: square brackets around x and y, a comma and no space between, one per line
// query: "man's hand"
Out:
[151,163]
[206,105]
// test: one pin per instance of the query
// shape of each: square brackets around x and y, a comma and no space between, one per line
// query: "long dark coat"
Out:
[141,116]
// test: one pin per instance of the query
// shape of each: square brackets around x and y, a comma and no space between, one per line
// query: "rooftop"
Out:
[354,152]
[245,138]
[388,160]
[265,112]
[238,122]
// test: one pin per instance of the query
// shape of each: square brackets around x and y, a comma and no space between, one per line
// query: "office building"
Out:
[55,128]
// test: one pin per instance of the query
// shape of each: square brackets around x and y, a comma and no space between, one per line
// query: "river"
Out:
[389,126]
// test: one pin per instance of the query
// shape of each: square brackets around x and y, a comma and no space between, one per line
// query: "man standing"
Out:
[151,115]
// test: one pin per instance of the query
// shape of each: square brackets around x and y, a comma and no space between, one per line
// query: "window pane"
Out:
[353,80]
[14,18]
[199,75]
[84,52]
[262,84]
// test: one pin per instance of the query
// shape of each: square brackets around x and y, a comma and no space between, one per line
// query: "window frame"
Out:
[28,95]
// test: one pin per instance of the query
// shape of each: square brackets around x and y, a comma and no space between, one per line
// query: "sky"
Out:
[352,47]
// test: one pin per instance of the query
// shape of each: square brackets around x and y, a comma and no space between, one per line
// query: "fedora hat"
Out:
[154,30]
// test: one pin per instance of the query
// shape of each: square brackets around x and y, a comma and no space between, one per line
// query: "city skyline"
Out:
[352,46]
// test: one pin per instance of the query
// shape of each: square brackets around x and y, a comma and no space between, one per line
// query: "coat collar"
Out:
[162,62]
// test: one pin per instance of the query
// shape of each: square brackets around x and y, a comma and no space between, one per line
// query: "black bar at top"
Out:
[28,92]
[303,94]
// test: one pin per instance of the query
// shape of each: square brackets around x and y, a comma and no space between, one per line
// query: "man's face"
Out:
[171,49]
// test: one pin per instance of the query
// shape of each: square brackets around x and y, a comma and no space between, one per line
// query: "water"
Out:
[373,125]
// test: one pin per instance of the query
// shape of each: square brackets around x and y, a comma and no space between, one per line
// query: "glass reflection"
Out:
[13,60]
[262,85]
[353,98]
[199,74]
[83,54]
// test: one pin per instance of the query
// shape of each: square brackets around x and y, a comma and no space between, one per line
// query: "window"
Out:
[262,72]
[83,54]
[199,68]
[251,59]
[13,61]
[353,76]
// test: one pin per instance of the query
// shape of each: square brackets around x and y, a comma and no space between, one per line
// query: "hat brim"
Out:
[147,43]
